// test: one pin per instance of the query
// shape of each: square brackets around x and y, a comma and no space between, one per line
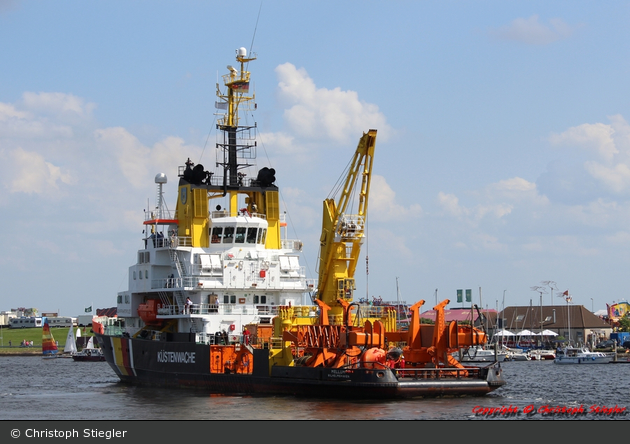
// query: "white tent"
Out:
[547,333]
[504,332]
[525,333]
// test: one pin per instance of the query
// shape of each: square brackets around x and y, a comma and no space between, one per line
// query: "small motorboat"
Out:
[517,355]
[582,355]
[479,353]
[542,355]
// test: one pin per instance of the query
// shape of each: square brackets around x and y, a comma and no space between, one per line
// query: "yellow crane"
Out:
[343,231]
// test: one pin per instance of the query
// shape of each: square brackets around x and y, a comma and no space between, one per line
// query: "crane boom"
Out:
[343,233]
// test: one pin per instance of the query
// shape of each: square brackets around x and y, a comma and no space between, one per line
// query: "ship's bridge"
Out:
[245,230]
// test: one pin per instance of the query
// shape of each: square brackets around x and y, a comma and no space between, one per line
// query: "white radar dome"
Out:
[160,178]
[242,52]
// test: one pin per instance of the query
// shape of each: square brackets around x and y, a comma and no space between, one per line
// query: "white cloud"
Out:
[450,204]
[19,123]
[383,206]
[597,137]
[515,184]
[320,113]
[65,107]
[616,178]
[397,245]
[8,111]
[611,144]
[31,173]
[487,242]
[515,190]
[496,200]
[532,32]
[131,155]
[281,143]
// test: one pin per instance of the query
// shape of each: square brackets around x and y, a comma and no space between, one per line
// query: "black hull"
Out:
[187,365]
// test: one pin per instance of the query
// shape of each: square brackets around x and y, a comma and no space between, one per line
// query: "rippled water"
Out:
[61,389]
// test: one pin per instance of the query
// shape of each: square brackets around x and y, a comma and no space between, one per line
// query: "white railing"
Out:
[161,214]
[210,309]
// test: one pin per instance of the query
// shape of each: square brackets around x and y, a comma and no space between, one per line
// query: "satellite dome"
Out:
[160,178]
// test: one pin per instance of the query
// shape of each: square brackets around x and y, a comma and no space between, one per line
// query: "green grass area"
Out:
[15,336]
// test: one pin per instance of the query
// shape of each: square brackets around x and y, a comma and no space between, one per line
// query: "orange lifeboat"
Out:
[148,312]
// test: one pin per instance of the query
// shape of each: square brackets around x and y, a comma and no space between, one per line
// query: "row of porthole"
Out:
[146,274]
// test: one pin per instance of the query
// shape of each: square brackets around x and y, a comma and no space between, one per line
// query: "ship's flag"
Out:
[88,309]
[460,295]
[241,87]
[221,105]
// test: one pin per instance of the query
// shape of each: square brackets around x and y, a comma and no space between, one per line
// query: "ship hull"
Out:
[187,365]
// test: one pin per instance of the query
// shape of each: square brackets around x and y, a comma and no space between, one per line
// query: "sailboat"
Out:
[89,353]
[49,346]
[71,346]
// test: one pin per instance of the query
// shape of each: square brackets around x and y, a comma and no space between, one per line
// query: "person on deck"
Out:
[188,307]
[246,336]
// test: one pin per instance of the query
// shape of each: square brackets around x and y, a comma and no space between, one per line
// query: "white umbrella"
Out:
[504,333]
[548,333]
[525,333]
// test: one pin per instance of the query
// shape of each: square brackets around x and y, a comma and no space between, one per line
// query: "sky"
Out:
[502,161]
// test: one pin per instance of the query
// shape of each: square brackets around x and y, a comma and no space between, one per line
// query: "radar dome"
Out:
[242,52]
[160,178]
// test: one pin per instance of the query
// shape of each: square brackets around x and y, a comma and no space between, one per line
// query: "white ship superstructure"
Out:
[230,260]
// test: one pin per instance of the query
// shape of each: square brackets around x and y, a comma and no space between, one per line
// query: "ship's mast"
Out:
[238,141]
[236,145]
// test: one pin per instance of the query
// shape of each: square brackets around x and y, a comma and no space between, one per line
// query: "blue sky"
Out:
[502,156]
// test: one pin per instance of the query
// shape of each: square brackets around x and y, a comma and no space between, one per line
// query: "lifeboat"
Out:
[148,312]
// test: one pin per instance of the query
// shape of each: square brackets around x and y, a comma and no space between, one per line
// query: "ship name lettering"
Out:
[178,357]
[338,374]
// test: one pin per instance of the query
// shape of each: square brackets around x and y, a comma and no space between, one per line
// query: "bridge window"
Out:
[240,235]
[217,235]
[251,235]
[228,235]
[262,234]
